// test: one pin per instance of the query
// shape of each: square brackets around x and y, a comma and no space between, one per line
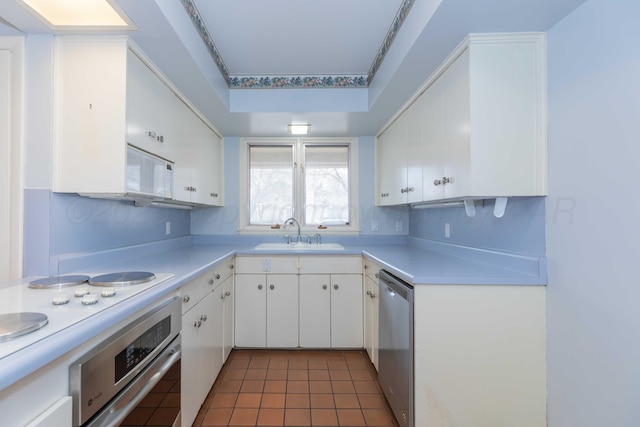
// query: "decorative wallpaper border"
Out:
[296,81]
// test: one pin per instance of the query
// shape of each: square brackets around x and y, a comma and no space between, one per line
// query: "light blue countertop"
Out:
[418,265]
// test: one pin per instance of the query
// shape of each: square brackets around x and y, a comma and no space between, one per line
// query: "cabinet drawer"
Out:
[371,268]
[195,290]
[267,264]
[330,264]
[222,271]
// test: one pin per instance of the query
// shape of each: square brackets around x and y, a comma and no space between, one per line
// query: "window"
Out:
[308,179]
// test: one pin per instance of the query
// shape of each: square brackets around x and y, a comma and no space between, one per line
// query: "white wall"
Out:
[593,297]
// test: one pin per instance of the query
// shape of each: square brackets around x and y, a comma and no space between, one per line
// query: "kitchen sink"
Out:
[311,247]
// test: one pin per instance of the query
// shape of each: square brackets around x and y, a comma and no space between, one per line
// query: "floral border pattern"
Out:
[287,82]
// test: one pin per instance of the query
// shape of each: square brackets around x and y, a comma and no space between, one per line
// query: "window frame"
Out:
[299,181]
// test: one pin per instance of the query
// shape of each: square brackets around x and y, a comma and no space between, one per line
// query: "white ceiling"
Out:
[257,37]
[333,37]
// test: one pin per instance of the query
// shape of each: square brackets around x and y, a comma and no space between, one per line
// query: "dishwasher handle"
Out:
[396,286]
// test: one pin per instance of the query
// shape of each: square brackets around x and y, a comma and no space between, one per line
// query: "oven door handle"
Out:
[134,392]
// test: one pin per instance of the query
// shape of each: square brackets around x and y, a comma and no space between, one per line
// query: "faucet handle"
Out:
[287,238]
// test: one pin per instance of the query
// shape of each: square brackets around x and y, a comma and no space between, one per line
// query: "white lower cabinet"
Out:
[58,415]
[480,355]
[371,319]
[299,301]
[204,346]
[266,310]
[346,311]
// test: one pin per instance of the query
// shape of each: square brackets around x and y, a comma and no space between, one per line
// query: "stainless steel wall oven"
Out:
[133,376]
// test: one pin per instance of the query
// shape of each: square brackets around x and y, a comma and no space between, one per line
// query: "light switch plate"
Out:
[374,225]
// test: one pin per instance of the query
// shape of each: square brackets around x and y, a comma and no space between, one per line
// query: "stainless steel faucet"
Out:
[291,221]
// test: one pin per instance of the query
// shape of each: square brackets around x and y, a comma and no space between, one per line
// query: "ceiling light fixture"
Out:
[71,14]
[299,129]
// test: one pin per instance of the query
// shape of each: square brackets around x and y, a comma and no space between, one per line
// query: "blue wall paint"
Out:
[57,224]
[85,224]
[593,320]
[520,230]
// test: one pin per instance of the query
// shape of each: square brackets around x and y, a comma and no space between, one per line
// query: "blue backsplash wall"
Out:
[57,224]
[520,230]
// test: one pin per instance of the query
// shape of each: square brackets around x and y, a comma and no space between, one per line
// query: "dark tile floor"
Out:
[296,388]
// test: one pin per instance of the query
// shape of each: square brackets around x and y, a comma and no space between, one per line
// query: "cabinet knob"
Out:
[203,317]
[197,324]
[210,281]
[410,190]
[217,277]
[324,286]
[437,182]
[336,286]
[160,138]
[186,298]
[222,296]
[272,286]
[446,180]
[194,189]
[369,293]
[228,293]
[151,134]
[259,286]
[214,194]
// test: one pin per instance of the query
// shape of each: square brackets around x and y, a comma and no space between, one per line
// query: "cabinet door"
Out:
[251,310]
[185,153]
[191,376]
[456,108]
[346,311]
[227,323]
[414,151]
[371,320]
[315,310]
[147,107]
[282,310]
[90,152]
[208,168]
[432,140]
[213,328]
[392,163]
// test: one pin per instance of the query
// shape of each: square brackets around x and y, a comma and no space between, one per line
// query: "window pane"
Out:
[326,184]
[270,183]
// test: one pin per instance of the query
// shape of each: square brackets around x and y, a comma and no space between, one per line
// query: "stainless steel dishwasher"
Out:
[395,363]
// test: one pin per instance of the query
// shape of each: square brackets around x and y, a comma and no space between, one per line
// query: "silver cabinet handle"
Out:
[186,298]
[160,138]
[369,293]
[217,277]
[446,180]
[226,294]
[203,317]
[335,286]
[372,295]
[259,286]
[213,194]
[210,281]
[437,182]
[324,286]
[197,324]
[222,296]
[272,286]
[151,134]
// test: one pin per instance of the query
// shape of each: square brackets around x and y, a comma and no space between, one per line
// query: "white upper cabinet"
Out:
[476,129]
[108,98]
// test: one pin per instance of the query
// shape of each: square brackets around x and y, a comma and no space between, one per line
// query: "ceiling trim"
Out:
[297,81]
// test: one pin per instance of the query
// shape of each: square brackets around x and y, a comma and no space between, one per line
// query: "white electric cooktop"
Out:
[48,307]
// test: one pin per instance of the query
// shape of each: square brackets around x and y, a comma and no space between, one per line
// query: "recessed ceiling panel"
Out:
[301,37]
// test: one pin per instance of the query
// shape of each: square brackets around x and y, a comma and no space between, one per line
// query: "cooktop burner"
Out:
[13,325]
[58,282]
[122,278]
